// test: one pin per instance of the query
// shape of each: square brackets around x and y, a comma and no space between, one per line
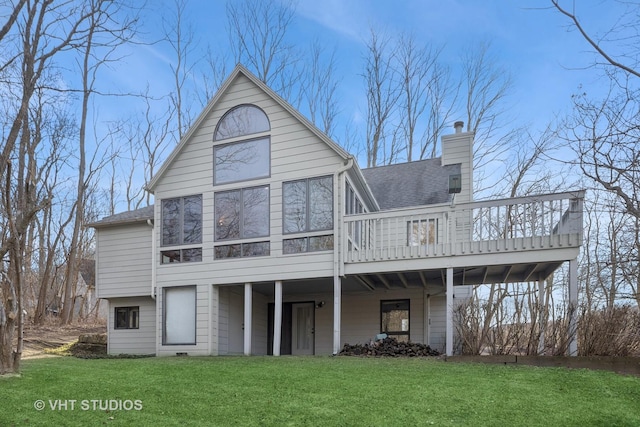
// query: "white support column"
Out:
[573,307]
[427,320]
[541,317]
[449,319]
[277,319]
[248,294]
[337,311]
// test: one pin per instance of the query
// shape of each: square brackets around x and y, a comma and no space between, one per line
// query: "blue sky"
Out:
[533,44]
[531,41]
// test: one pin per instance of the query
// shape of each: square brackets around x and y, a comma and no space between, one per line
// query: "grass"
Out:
[325,391]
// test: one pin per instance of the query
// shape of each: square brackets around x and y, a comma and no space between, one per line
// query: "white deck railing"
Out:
[514,224]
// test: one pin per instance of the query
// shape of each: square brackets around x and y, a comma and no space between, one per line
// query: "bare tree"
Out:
[41,31]
[180,37]
[486,85]
[416,66]
[213,75]
[103,37]
[442,93]
[44,32]
[258,36]
[319,87]
[604,132]
[383,91]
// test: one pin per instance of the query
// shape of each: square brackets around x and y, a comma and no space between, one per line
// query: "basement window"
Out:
[394,319]
[127,318]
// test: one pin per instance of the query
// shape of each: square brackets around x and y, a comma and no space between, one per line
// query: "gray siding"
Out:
[458,148]
[124,261]
[132,341]
[295,153]
[361,315]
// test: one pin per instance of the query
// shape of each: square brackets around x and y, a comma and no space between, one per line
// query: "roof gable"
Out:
[224,89]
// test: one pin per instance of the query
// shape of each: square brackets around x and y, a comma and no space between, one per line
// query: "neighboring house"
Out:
[267,238]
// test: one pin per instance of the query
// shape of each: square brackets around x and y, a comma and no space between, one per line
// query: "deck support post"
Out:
[541,317]
[337,311]
[573,307]
[277,318]
[427,318]
[449,315]
[248,294]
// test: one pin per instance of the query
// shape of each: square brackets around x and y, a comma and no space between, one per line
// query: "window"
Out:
[308,205]
[240,121]
[308,244]
[244,160]
[242,214]
[181,255]
[422,232]
[241,161]
[179,315]
[394,318]
[127,318]
[353,205]
[242,250]
[182,220]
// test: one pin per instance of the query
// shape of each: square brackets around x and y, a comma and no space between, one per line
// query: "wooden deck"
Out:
[515,239]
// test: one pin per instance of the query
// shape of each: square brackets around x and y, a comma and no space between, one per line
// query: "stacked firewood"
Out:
[389,347]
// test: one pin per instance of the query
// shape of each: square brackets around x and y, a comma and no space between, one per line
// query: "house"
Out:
[267,238]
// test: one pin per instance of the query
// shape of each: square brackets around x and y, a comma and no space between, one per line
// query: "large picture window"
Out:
[241,161]
[179,315]
[308,205]
[242,214]
[394,318]
[182,220]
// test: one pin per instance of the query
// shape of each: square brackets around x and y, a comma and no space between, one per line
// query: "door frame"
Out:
[294,325]
[286,341]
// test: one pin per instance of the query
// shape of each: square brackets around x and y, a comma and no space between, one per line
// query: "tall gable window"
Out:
[242,214]
[246,159]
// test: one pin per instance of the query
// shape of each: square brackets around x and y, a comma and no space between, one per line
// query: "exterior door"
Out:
[302,342]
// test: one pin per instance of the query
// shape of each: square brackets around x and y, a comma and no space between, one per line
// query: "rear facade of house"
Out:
[267,238]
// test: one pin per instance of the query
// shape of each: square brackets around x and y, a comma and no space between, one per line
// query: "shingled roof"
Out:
[137,215]
[402,185]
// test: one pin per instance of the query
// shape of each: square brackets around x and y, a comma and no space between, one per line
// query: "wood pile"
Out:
[389,347]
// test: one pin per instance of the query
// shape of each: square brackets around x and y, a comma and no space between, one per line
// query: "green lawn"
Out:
[322,391]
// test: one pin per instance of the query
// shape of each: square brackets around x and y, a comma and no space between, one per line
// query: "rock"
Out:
[93,339]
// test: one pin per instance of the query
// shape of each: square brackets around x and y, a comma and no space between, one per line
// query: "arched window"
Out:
[240,121]
[248,158]
[242,214]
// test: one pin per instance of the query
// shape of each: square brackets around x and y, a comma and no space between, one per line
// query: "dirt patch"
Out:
[37,339]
